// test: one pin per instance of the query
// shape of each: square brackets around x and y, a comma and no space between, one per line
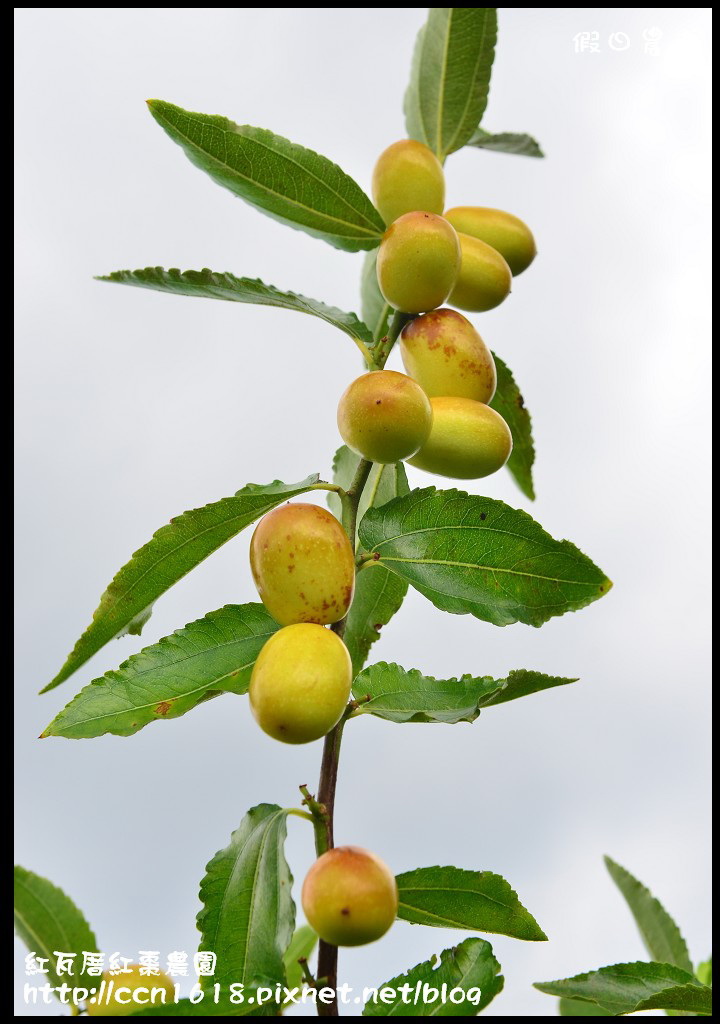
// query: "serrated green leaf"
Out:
[209,284]
[210,656]
[473,555]
[378,592]
[681,1001]
[577,1008]
[208,1007]
[478,901]
[406,695]
[248,913]
[379,595]
[288,182]
[169,555]
[450,76]
[522,682]
[509,402]
[48,922]
[375,311]
[301,946]
[627,988]
[703,972]
[515,143]
[661,936]
[469,966]
[401,695]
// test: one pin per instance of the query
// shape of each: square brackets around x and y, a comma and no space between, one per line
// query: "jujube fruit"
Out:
[300,683]
[350,896]
[408,176]
[444,353]
[133,980]
[384,416]
[484,280]
[418,262]
[468,440]
[303,565]
[511,236]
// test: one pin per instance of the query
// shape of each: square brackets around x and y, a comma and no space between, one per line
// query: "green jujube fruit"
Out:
[418,262]
[408,176]
[300,683]
[350,896]
[468,440]
[505,232]
[444,353]
[484,280]
[303,564]
[119,997]
[384,416]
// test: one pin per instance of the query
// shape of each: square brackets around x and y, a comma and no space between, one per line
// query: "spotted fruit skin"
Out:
[505,232]
[484,280]
[300,683]
[350,896]
[303,565]
[384,416]
[444,353]
[134,980]
[468,440]
[408,176]
[418,262]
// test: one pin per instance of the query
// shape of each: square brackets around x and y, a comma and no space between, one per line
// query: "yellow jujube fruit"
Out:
[468,440]
[484,279]
[350,896]
[505,232]
[384,416]
[303,564]
[408,176]
[120,995]
[444,353]
[300,683]
[418,262]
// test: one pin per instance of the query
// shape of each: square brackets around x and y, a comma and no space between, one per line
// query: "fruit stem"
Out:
[350,501]
[328,780]
[319,817]
[324,840]
[385,345]
[322,808]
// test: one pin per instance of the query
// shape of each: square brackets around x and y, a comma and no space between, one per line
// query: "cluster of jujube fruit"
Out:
[303,565]
[438,418]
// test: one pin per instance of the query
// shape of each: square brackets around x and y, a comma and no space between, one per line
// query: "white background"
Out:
[134,406]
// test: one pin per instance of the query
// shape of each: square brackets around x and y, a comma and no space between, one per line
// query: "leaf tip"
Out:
[613,867]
